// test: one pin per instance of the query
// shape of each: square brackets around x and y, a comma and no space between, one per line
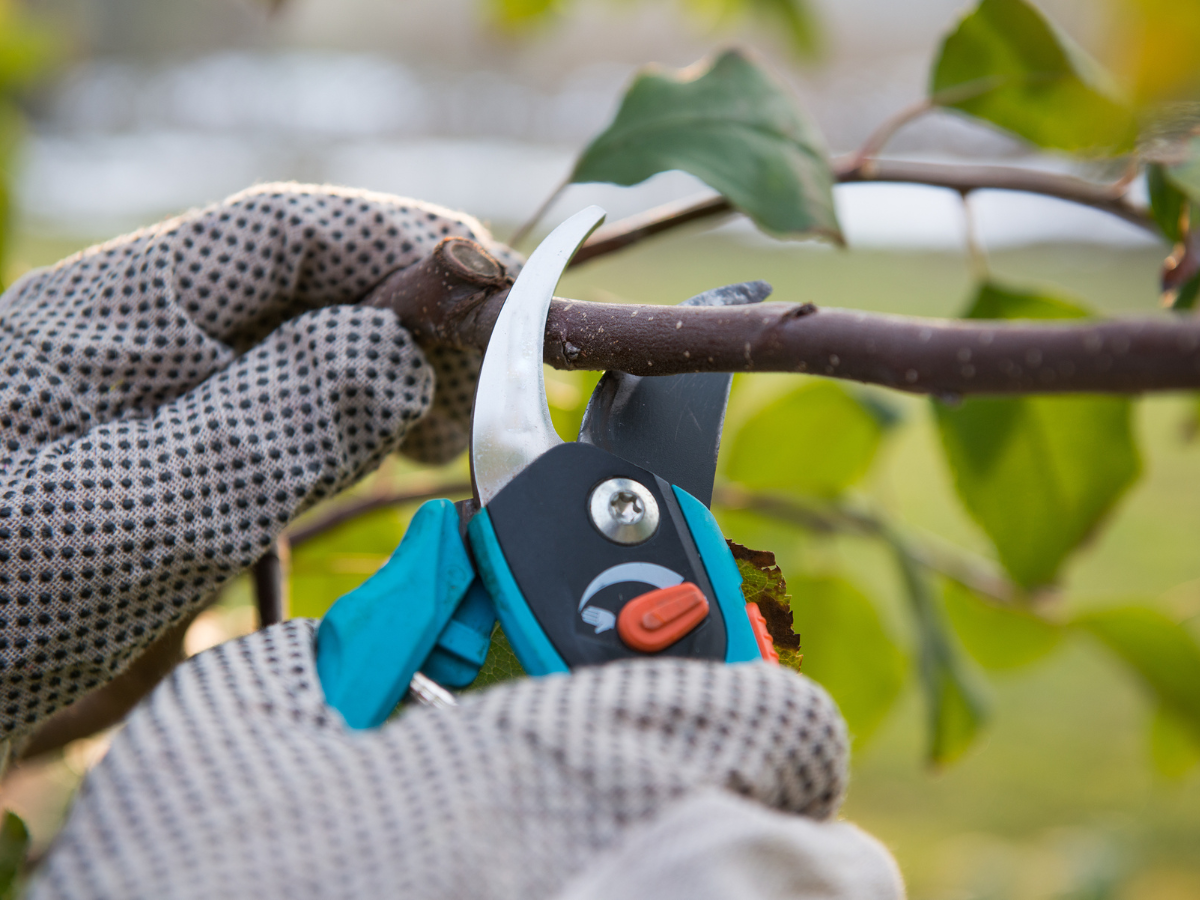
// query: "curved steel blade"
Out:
[510,426]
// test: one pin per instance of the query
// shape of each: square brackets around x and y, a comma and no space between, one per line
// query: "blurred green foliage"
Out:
[816,439]
[27,51]
[1007,65]
[14,847]
[848,650]
[793,19]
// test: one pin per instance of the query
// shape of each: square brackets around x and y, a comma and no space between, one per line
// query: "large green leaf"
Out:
[1037,473]
[1164,655]
[1006,64]
[732,127]
[847,650]
[998,638]
[817,439]
[957,710]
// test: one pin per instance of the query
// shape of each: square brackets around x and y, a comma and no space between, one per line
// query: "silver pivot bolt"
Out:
[623,510]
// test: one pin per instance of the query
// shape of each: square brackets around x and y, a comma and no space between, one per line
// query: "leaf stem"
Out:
[878,139]
[521,233]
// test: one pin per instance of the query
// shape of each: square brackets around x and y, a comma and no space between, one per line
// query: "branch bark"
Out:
[932,356]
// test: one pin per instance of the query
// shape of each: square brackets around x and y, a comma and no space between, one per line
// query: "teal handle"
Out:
[740,644]
[374,639]
[530,644]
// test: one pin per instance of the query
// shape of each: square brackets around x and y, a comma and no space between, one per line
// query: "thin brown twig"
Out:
[964,179]
[837,518]
[878,139]
[521,233]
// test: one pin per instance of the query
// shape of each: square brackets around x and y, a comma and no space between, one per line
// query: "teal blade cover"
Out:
[373,639]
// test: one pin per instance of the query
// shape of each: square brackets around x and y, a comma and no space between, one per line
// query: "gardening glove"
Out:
[169,401]
[668,779]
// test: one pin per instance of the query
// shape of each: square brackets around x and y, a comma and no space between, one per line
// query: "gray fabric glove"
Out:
[171,399]
[648,779]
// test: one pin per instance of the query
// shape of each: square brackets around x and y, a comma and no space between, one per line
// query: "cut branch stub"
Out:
[434,296]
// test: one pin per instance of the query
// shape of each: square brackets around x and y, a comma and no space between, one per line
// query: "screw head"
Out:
[623,510]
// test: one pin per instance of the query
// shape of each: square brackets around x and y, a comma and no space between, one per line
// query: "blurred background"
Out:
[155,106]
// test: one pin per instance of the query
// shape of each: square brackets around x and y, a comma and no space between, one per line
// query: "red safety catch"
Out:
[654,621]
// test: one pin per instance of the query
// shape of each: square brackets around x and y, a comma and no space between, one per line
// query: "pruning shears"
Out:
[585,552]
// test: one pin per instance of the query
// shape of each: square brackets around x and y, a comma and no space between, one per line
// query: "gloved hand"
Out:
[667,779]
[169,401]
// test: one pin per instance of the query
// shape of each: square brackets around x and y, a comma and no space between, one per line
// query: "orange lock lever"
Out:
[654,621]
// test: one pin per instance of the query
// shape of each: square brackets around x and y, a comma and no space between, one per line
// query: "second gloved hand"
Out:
[663,779]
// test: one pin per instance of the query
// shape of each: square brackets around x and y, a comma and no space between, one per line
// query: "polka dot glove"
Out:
[664,780]
[170,400]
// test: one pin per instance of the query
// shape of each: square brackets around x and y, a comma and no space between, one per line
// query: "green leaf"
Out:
[732,127]
[1174,745]
[1164,655]
[1006,64]
[340,560]
[817,439]
[996,637]
[848,651]
[1038,474]
[14,847]
[957,710]
[1168,202]
[997,301]
[1028,470]
[500,665]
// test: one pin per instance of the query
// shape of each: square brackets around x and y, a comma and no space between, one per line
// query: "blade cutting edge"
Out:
[510,425]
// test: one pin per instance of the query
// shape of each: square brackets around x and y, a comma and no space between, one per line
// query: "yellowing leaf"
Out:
[732,127]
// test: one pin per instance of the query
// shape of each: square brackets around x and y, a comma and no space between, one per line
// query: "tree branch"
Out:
[962,178]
